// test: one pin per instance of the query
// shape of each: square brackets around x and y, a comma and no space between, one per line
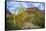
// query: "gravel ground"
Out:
[30,26]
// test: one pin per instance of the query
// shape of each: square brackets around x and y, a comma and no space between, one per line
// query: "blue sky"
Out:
[11,6]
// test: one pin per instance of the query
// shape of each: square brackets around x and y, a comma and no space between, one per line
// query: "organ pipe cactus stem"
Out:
[14,18]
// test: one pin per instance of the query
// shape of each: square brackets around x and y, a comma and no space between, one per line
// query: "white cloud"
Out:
[24,4]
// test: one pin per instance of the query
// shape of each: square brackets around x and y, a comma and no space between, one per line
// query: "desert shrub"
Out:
[20,20]
[10,22]
[38,19]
